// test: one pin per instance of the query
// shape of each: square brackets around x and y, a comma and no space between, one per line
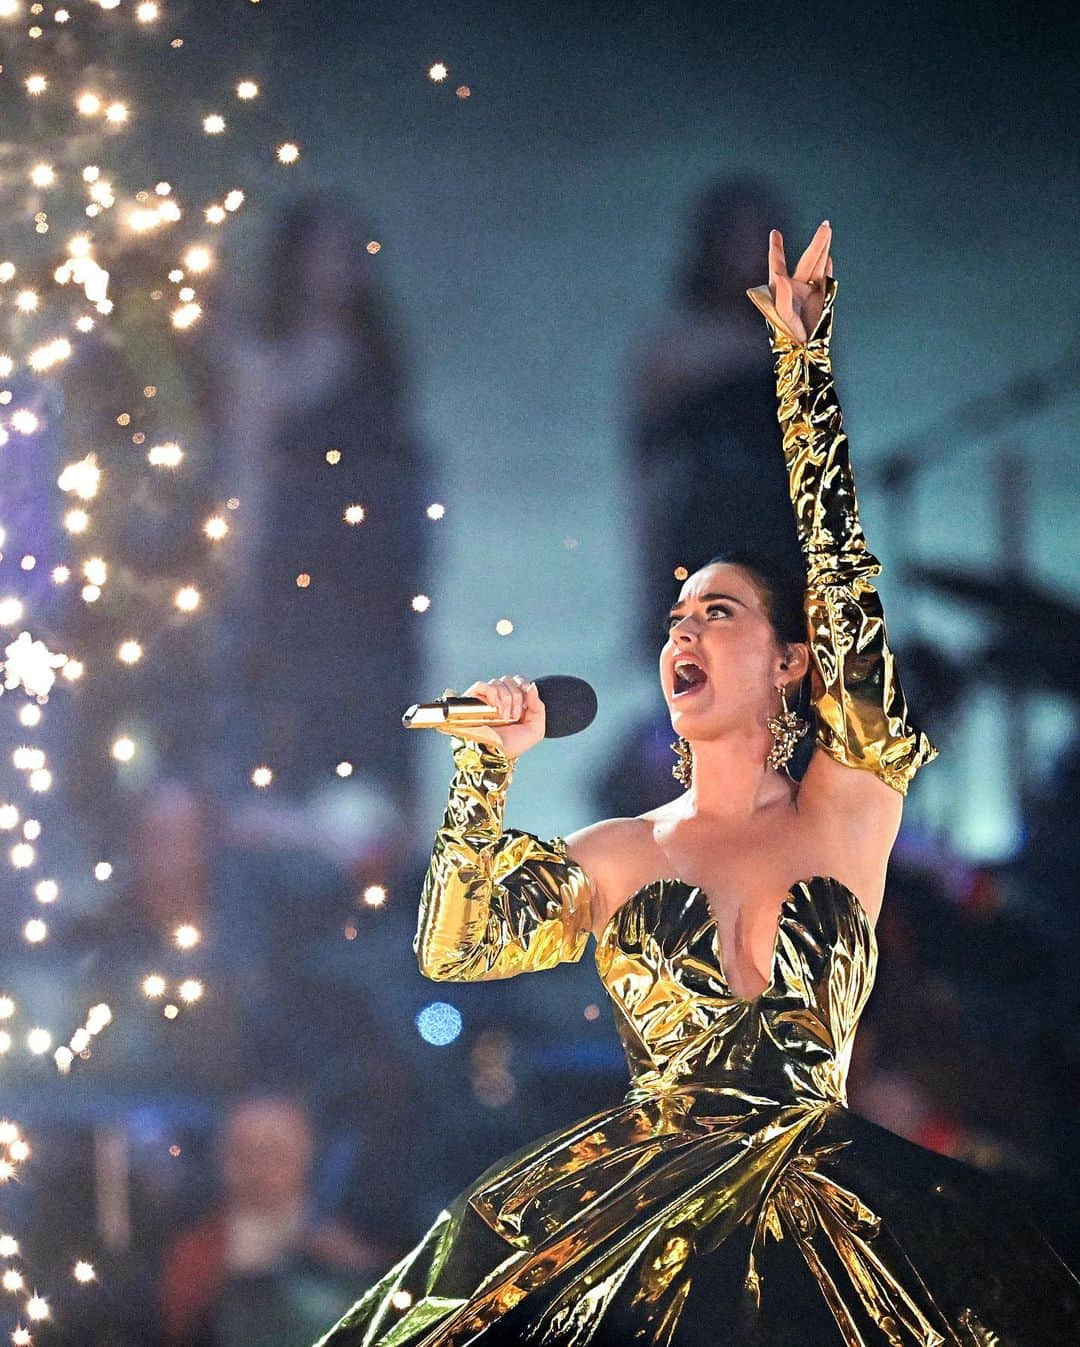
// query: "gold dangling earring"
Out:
[683,770]
[786,729]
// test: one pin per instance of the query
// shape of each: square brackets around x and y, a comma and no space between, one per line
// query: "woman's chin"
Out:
[689,704]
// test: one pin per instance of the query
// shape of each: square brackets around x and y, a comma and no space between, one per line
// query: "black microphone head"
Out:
[569,704]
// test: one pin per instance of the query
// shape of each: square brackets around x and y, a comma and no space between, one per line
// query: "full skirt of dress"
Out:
[667,1226]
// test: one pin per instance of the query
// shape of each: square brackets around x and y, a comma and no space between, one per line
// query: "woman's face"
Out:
[721,660]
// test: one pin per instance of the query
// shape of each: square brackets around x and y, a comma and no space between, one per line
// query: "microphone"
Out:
[569,707]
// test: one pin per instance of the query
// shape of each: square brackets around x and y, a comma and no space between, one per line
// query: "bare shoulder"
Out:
[608,852]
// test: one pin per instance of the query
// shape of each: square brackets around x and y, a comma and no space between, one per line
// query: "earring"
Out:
[786,729]
[682,771]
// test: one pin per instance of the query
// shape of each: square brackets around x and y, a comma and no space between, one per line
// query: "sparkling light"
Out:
[39,1041]
[186,315]
[52,300]
[37,1308]
[123,749]
[31,665]
[375,895]
[95,570]
[82,478]
[165,455]
[187,936]
[262,777]
[22,856]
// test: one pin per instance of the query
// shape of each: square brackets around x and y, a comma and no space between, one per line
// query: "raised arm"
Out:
[496,903]
[863,717]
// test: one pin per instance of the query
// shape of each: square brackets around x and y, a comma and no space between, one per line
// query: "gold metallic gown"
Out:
[731,1198]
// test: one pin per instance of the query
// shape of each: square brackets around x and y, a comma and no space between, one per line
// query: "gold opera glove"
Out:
[862,714]
[496,903]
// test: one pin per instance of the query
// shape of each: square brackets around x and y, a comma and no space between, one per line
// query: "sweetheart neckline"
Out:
[697,892]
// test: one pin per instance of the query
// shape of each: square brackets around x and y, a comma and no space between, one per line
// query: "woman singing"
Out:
[731,1198]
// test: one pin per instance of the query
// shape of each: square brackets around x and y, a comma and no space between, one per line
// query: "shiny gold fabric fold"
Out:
[862,714]
[496,903]
[731,1196]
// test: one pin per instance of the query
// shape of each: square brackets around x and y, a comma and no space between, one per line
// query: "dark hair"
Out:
[783,589]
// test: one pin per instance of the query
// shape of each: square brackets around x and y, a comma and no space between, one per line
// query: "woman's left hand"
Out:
[798,300]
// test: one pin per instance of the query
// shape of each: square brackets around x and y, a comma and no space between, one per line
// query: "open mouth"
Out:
[689,678]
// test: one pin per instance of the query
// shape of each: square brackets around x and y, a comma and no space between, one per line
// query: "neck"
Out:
[732,778]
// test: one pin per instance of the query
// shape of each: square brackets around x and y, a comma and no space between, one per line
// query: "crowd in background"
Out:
[285,1146]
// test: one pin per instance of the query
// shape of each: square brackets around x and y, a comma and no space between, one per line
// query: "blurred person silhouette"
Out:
[259,1271]
[703,430]
[330,482]
[703,437]
[325,485]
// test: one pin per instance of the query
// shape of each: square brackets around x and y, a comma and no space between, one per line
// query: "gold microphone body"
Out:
[463,711]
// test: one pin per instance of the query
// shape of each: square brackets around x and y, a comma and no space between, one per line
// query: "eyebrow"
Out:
[704,599]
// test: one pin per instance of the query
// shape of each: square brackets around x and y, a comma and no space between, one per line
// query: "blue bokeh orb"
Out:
[439,1023]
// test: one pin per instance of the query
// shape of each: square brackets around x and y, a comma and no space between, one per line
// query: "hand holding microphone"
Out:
[522,717]
[510,712]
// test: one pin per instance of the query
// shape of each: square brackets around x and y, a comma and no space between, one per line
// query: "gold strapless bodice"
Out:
[682,1027]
